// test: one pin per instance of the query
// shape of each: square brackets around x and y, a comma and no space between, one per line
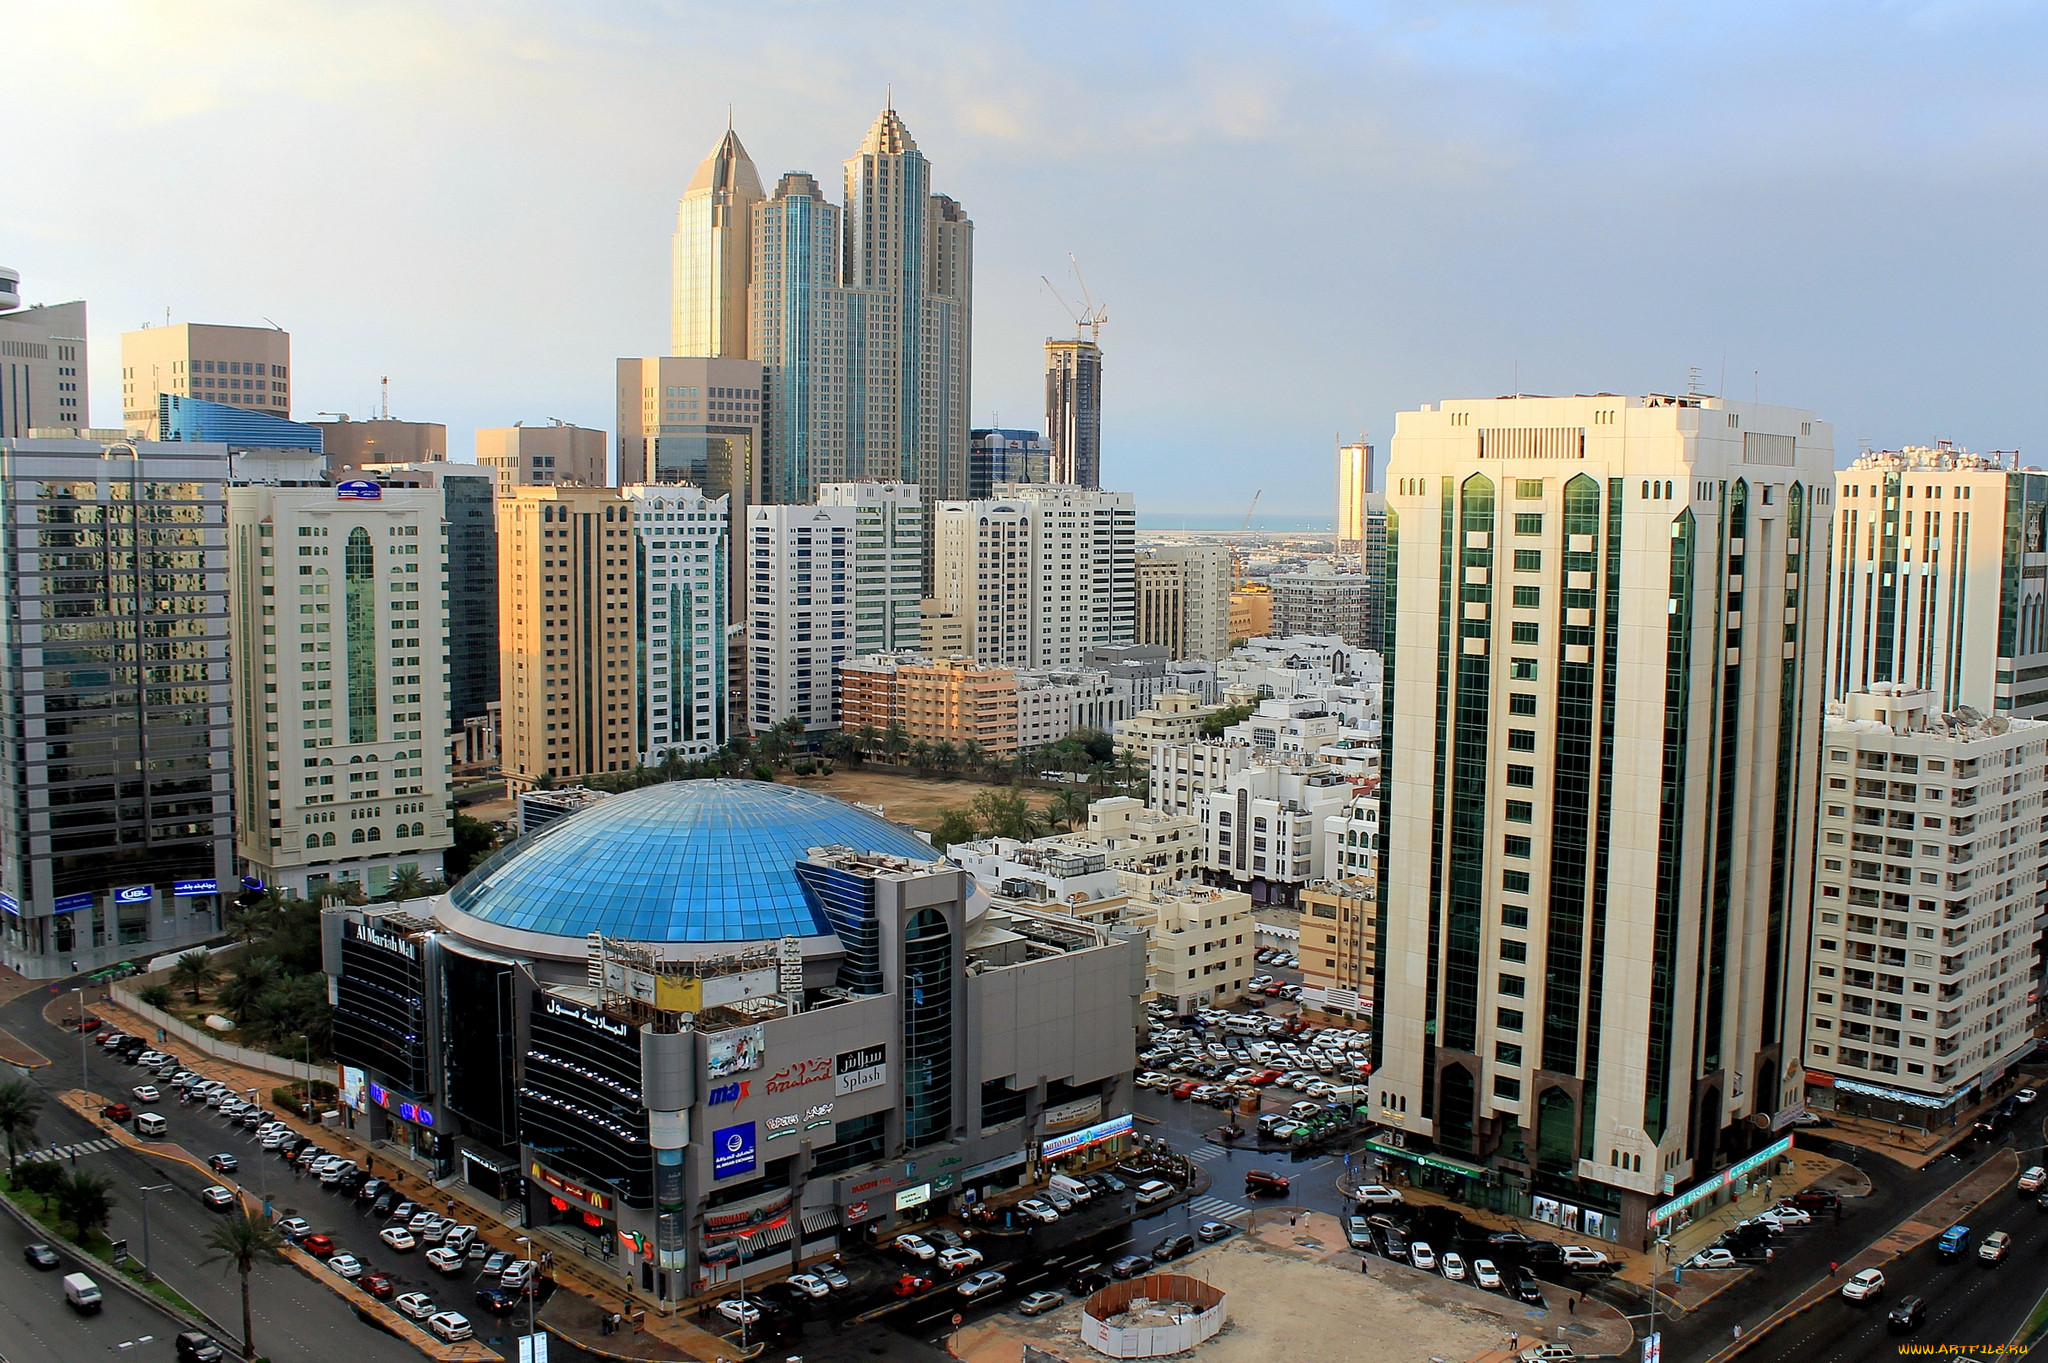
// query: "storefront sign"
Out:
[784,1125]
[193,887]
[416,1113]
[384,941]
[913,1197]
[737,1049]
[724,1223]
[865,1068]
[1659,1215]
[817,1115]
[1449,1166]
[134,894]
[357,490]
[352,1087]
[856,1211]
[1087,1136]
[992,1166]
[600,1201]
[1067,1116]
[732,1151]
[10,903]
[72,903]
[789,963]
[728,1093]
[576,1012]
[799,1074]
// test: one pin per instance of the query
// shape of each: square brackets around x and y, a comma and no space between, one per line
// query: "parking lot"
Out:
[1304,1083]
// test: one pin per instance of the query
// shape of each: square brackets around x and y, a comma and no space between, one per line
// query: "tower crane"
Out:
[1237,549]
[1091,315]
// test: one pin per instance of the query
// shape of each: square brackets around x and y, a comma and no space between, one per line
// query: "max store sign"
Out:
[729,1093]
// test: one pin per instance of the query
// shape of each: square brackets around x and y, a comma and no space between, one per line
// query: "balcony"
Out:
[1964,799]
[1952,965]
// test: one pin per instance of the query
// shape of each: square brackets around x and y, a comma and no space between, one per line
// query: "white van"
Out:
[1071,1187]
[149,1124]
[82,1292]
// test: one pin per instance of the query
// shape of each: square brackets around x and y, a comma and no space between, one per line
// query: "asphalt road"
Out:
[38,1326]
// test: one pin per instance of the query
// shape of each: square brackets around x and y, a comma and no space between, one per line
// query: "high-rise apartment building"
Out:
[1323,601]
[943,632]
[681,558]
[115,680]
[1202,572]
[712,255]
[1005,456]
[352,447]
[338,620]
[568,608]
[554,455]
[1602,702]
[1251,612]
[1047,572]
[827,583]
[1354,486]
[1073,411]
[1339,945]
[1935,583]
[1162,604]
[1375,569]
[43,371]
[469,513]
[248,367]
[863,317]
[1918,996]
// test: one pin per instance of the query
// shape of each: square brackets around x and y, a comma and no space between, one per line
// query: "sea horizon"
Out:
[1279,522]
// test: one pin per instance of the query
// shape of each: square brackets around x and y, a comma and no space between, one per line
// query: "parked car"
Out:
[1209,1232]
[119,1112]
[982,1284]
[496,1264]
[1486,1275]
[909,1285]
[1039,1210]
[518,1274]
[831,1274]
[1452,1265]
[1038,1303]
[1378,1195]
[1583,1260]
[295,1227]
[1788,1216]
[347,1265]
[449,1327]
[414,1305]
[1865,1285]
[915,1247]
[1173,1247]
[193,1347]
[1129,1266]
[1712,1258]
[1547,1353]
[217,1198]
[444,1260]
[399,1238]
[1814,1200]
[379,1285]
[1356,1233]
[1523,1287]
[1422,1256]
[146,1093]
[319,1246]
[959,1260]
[809,1284]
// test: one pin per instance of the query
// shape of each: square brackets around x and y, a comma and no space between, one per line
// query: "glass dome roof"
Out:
[686,861]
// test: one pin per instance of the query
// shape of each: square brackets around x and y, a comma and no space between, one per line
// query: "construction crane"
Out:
[1092,314]
[1237,548]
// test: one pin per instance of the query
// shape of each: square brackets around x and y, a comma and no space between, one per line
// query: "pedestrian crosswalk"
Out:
[1216,1208]
[55,1153]
[1202,1154]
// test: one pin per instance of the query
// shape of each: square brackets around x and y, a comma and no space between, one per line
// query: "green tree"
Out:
[474,839]
[40,1177]
[955,825]
[1070,806]
[86,1200]
[156,995]
[249,979]
[895,741]
[1003,814]
[21,1107]
[242,1241]
[1214,725]
[194,971]
[972,757]
[406,883]
[944,755]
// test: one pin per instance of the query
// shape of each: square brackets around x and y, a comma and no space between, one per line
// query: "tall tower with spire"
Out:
[712,263]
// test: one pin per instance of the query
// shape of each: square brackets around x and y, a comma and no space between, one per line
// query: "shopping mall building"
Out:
[715,1022]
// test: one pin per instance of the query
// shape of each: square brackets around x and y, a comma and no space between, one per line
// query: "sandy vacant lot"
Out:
[906,799]
[1282,1306]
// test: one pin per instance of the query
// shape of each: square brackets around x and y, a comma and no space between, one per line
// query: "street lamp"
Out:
[530,1289]
[743,1288]
[154,1188]
[84,1084]
[262,1169]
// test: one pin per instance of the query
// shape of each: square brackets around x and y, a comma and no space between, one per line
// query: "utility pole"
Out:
[154,1188]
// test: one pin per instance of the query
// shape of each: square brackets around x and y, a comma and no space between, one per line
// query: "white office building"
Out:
[681,555]
[1263,832]
[1045,572]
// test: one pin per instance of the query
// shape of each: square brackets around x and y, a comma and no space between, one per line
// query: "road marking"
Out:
[1217,1208]
[57,1153]
[1206,1153]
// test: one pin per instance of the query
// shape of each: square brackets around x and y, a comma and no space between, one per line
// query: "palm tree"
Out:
[250,979]
[86,1200]
[240,1241]
[406,883]
[971,756]
[194,971]
[21,1106]
[944,755]
[895,740]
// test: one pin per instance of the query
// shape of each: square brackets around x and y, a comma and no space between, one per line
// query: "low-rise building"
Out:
[1339,937]
[1928,887]
[870,695]
[1353,832]
[1175,717]
[959,702]
[1199,940]
[1264,832]
[1251,612]
[1185,774]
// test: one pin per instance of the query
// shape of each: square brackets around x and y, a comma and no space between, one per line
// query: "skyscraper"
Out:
[43,380]
[115,679]
[469,509]
[1603,709]
[712,255]
[681,559]
[338,617]
[1205,596]
[248,367]
[1005,456]
[553,455]
[1046,571]
[567,608]
[1931,588]
[1354,487]
[1073,411]
[863,318]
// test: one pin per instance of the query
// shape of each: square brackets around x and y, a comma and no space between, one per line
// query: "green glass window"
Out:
[1528,522]
[1513,951]
[1521,740]
[1514,916]
[1522,669]
[1524,632]
[1528,560]
[1528,598]
[1520,811]
[1516,846]
[1515,882]
[1508,1019]
[1504,1087]
[1507,1052]
[1521,776]
[1521,703]
[1513,986]
[359,568]
[1529,489]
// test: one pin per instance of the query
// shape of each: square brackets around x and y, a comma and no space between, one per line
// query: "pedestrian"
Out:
[1832,1266]
[1514,1342]
[1571,1306]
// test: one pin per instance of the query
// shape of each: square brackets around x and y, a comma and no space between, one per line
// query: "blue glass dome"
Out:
[686,861]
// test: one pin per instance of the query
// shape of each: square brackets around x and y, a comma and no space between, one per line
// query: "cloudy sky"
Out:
[1303,217]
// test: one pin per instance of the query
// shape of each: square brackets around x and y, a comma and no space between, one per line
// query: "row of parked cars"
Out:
[1277,958]
[1749,1242]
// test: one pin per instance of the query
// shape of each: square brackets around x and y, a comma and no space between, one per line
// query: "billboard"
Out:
[686,993]
[865,1068]
[732,1150]
[1055,1146]
[737,1049]
[352,1083]
[358,490]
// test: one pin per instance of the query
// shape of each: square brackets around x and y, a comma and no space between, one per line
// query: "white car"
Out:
[1863,1286]
[1486,1275]
[1422,1256]
[739,1312]
[420,1220]
[2031,1180]
[1712,1258]
[1789,1216]
[916,1246]
[414,1305]
[1153,1079]
[1580,1258]
[1041,1211]
[347,1265]
[982,1284]
[399,1238]
[450,1326]
[1378,1195]
[445,1260]
[959,1260]
[1452,1266]
[812,1285]
[147,1093]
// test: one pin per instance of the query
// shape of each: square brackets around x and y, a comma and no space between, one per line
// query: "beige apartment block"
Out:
[1185,775]
[959,702]
[241,366]
[554,455]
[352,446]
[1251,613]
[1919,992]
[942,632]
[1339,937]
[1047,571]
[338,621]
[1162,606]
[1200,939]
[1599,830]
[1174,717]
[567,610]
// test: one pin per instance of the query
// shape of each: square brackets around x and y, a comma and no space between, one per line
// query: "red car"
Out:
[319,1246]
[1272,991]
[1259,1183]
[1264,1077]
[119,1112]
[909,1285]
[89,1025]
[1182,1090]
[378,1285]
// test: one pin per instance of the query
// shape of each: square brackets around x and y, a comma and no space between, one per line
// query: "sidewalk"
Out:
[1918,1149]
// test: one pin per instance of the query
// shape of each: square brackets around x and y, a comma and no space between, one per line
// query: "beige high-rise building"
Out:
[338,622]
[1162,620]
[242,366]
[1048,571]
[1202,572]
[43,381]
[943,632]
[1354,486]
[568,608]
[712,251]
[554,455]
[1600,794]
[350,446]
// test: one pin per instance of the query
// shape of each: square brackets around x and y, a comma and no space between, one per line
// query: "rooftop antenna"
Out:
[1692,380]
[384,398]
[1092,314]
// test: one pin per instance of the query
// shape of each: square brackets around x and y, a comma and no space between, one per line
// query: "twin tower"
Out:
[860,313]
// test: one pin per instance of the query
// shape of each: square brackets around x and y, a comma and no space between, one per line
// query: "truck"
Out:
[83,1294]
